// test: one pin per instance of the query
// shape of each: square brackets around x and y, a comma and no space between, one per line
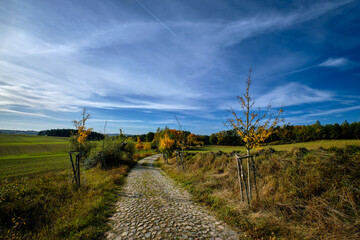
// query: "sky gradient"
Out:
[138,63]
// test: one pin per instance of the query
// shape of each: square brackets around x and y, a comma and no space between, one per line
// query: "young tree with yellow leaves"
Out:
[82,131]
[147,146]
[254,127]
[139,146]
[80,145]
[192,140]
[165,145]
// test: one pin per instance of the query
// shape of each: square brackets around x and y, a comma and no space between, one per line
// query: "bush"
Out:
[111,153]
[85,148]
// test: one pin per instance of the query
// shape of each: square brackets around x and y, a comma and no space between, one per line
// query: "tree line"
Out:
[94,136]
[295,133]
[282,134]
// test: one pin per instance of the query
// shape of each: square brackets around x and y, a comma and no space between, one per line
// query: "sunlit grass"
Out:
[302,194]
[283,147]
[24,155]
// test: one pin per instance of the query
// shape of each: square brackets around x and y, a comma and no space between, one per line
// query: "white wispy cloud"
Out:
[293,94]
[116,120]
[334,62]
[330,62]
[332,111]
[32,114]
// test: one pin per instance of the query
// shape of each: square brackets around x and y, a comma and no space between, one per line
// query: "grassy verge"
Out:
[48,206]
[143,154]
[302,194]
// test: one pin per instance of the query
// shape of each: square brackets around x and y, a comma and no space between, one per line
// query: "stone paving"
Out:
[152,206]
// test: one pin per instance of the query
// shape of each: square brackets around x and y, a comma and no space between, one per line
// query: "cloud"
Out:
[32,114]
[293,94]
[333,111]
[334,62]
[116,120]
[330,62]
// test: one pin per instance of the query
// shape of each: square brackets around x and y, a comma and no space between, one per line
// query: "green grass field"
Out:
[308,145]
[24,155]
[38,199]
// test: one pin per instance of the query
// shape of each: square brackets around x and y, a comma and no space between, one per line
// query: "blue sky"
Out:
[138,63]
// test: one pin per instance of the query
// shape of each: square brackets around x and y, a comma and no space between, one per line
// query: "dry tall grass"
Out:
[302,194]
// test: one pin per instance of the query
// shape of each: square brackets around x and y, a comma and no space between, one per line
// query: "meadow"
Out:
[38,199]
[282,147]
[304,193]
[25,155]
[28,155]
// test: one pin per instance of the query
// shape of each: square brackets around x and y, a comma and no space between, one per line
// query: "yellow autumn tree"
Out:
[192,140]
[139,146]
[166,144]
[82,131]
[78,143]
[254,127]
[147,146]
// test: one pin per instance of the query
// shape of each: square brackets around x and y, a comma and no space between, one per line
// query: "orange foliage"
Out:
[147,146]
[191,139]
[82,132]
[139,146]
[166,143]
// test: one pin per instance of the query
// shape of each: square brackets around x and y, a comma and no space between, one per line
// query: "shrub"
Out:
[83,148]
[111,153]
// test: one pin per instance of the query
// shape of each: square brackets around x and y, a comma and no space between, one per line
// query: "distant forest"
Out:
[284,134]
[68,132]
[28,132]
[292,134]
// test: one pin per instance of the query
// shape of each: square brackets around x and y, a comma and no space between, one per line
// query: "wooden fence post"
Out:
[73,167]
[244,179]
[177,160]
[240,182]
[78,167]
[182,160]
[248,164]
[254,173]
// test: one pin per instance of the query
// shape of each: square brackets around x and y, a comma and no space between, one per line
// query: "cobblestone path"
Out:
[152,206]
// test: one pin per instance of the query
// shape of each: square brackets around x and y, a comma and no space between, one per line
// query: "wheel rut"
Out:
[153,206]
